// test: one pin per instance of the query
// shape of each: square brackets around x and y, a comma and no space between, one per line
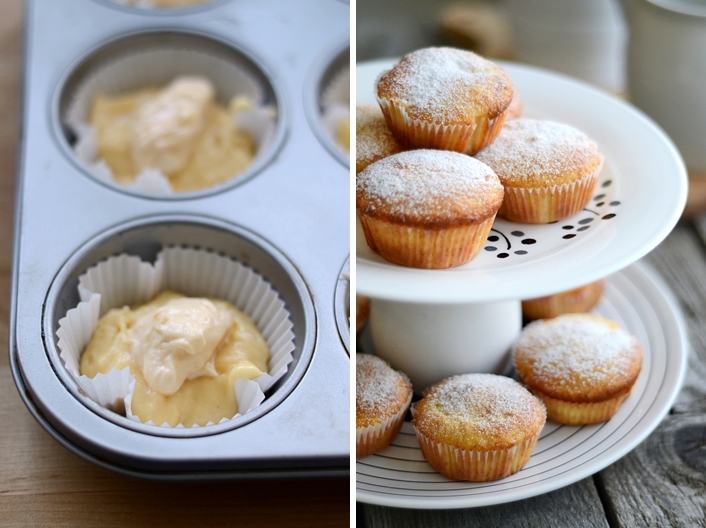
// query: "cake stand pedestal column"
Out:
[429,342]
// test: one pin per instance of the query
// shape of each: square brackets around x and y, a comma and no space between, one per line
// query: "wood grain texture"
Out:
[43,484]
[10,73]
[571,507]
[681,261]
[663,481]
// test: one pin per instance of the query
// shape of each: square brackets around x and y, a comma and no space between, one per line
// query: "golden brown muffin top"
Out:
[536,153]
[478,412]
[578,358]
[362,311]
[446,86]
[380,391]
[373,139]
[430,188]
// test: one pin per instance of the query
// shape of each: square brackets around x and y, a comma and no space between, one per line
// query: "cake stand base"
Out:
[429,342]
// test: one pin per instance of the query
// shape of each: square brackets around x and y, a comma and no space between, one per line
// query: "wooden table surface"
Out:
[43,484]
[660,483]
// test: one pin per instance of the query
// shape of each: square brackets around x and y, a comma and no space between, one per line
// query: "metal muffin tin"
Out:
[287,218]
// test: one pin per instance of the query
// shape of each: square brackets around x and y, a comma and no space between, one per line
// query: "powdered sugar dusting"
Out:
[577,350]
[419,181]
[377,385]
[445,83]
[373,139]
[488,400]
[528,147]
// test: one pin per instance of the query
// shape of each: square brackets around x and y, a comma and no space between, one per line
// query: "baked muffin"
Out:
[444,98]
[427,208]
[478,427]
[582,366]
[549,169]
[373,139]
[578,300]
[514,111]
[382,397]
[362,311]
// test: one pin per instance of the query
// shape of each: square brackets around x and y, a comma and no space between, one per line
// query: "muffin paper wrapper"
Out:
[417,247]
[542,205]
[373,438]
[127,280]
[158,66]
[580,299]
[465,138]
[476,466]
[569,413]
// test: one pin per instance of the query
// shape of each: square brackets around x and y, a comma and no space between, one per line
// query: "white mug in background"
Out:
[666,71]
[582,38]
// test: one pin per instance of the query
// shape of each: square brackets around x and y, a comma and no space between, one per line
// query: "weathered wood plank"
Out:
[577,505]
[661,482]
[43,484]
[681,261]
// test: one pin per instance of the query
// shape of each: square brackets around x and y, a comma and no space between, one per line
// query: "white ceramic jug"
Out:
[582,38]
[666,70]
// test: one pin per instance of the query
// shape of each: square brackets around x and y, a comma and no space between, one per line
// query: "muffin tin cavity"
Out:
[146,238]
[328,102]
[153,60]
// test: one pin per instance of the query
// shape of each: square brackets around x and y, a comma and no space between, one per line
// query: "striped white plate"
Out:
[642,303]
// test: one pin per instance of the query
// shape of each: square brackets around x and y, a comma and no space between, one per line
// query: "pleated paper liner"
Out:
[417,247]
[157,65]
[570,413]
[546,204]
[126,280]
[467,138]
[476,465]
[374,438]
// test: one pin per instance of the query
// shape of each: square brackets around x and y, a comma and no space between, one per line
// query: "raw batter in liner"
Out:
[179,130]
[205,343]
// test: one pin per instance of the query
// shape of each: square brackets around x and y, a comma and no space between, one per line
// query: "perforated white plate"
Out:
[638,200]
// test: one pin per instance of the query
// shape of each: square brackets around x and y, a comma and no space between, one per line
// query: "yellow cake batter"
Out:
[343,134]
[184,353]
[179,130]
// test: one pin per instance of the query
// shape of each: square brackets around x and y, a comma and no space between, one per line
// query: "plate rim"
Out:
[660,291]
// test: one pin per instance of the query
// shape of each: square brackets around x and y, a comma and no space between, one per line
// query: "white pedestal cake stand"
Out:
[435,323]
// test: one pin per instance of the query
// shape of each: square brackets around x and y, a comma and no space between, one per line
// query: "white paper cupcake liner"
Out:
[127,280]
[158,66]
[540,205]
[466,138]
[370,439]
[476,465]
